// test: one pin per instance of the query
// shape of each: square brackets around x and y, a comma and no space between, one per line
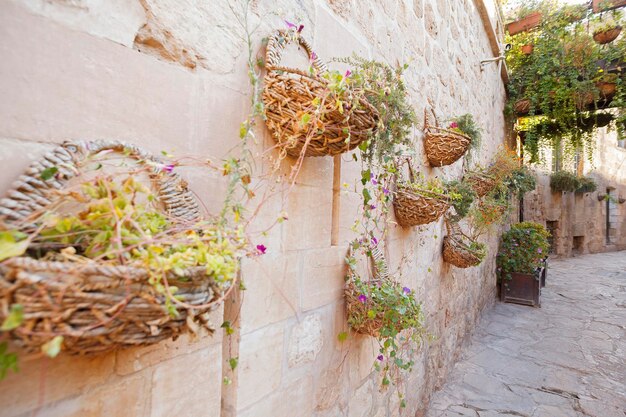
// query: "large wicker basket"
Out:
[443,146]
[413,207]
[456,251]
[290,93]
[354,306]
[97,307]
[481,183]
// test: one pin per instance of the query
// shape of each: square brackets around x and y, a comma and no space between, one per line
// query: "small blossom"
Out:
[406,290]
[168,168]
[290,25]
[362,298]
[313,56]
[454,125]
[374,241]
[386,191]
[374,182]
[372,207]
[348,73]
[262,249]
[380,358]
[539,250]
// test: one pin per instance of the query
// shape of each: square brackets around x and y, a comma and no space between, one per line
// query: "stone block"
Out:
[306,341]
[361,402]
[322,280]
[295,400]
[115,20]
[188,385]
[310,222]
[272,294]
[260,364]
[64,376]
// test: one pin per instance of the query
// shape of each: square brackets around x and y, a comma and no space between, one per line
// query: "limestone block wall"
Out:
[580,220]
[170,75]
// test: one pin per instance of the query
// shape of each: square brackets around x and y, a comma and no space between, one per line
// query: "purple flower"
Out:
[313,56]
[539,250]
[380,358]
[385,191]
[348,73]
[262,249]
[406,290]
[292,26]
[362,298]
[374,182]
[168,168]
[374,241]
[372,207]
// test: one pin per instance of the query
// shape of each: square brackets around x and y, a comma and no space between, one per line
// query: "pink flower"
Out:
[362,298]
[539,250]
[292,26]
[374,182]
[348,73]
[454,125]
[406,290]
[313,56]
[262,249]
[168,168]
[374,241]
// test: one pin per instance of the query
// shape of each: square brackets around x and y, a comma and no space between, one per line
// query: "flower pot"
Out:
[583,99]
[607,90]
[531,21]
[528,49]
[522,288]
[601,5]
[522,107]
[607,36]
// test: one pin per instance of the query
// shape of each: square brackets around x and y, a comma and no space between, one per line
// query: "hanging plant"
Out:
[606,26]
[461,250]
[563,181]
[444,146]
[586,185]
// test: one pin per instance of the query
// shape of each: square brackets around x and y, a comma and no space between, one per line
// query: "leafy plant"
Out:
[586,185]
[521,181]
[523,248]
[466,125]
[461,196]
[564,181]
[489,211]
[396,314]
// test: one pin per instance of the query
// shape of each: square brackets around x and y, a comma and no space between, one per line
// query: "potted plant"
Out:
[606,27]
[563,181]
[520,181]
[607,84]
[117,263]
[446,145]
[417,201]
[522,252]
[603,5]
[586,185]
[380,307]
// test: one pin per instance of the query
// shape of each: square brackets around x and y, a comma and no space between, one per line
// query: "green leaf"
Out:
[14,319]
[371,314]
[306,118]
[48,173]
[9,247]
[53,347]
[342,336]
[8,361]
[233,363]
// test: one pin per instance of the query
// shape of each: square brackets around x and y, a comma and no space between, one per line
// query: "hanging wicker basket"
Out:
[97,307]
[481,183]
[290,93]
[607,36]
[355,307]
[413,207]
[456,251]
[443,146]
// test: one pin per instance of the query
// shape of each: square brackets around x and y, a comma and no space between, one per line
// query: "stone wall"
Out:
[170,75]
[579,220]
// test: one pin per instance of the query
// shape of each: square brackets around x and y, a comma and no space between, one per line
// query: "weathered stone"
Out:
[306,340]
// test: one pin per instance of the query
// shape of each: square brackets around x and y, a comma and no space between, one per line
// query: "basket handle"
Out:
[407,161]
[30,193]
[378,261]
[427,116]
[276,45]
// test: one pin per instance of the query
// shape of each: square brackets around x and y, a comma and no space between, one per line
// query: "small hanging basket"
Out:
[289,94]
[481,183]
[607,36]
[97,307]
[443,146]
[414,207]
[456,251]
[357,308]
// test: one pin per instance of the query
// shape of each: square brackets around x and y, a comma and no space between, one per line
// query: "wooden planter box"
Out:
[522,289]
[614,4]
[531,21]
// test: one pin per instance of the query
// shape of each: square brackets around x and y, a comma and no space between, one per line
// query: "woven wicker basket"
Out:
[289,93]
[96,307]
[607,36]
[443,146]
[413,207]
[354,306]
[455,251]
[481,183]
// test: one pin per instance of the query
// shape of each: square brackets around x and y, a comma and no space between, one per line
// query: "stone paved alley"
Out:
[565,359]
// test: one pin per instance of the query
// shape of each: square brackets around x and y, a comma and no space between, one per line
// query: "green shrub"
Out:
[523,248]
[587,185]
[564,181]
[521,181]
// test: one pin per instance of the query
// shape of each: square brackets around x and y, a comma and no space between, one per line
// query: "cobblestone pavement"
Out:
[565,359]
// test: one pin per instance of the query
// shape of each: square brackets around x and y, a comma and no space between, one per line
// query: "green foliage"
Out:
[560,78]
[14,318]
[466,125]
[586,185]
[53,347]
[564,181]
[489,210]
[521,181]
[12,243]
[385,90]
[402,321]
[8,361]
[523,248]
[461,196]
